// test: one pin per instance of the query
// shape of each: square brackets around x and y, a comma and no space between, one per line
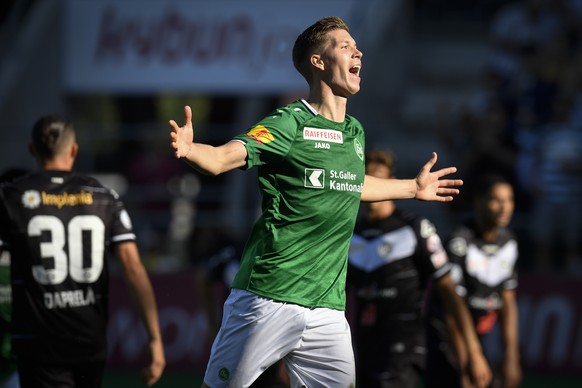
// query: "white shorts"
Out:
[256,332]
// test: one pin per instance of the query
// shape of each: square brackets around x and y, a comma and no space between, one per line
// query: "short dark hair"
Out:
[50,136]
[484,183]
[312,39]
[383,157]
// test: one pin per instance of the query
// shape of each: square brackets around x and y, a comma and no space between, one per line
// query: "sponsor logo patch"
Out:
[31,199]
[326,135]
[315,178]
[261,134]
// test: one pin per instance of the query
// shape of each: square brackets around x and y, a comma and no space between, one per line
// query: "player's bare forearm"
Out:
[476,363]
[212,160]
[457,340]
[427,186]
[379,189]
[143,297]
[509,331]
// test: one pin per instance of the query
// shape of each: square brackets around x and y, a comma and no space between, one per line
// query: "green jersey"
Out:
[311,176]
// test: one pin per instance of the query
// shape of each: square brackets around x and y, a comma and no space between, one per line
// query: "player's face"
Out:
[378,170]
[342,62]
[500,204]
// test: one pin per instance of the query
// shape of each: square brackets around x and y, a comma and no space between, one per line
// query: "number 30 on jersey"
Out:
[69,262]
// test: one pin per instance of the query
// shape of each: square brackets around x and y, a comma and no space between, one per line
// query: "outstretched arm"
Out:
[205,158]
[427,186]
[143,296]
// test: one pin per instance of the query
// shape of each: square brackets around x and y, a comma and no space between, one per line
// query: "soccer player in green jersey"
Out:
[288,298]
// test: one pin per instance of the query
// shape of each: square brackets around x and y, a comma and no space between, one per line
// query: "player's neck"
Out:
[57,165]
[488,233]
[328,105]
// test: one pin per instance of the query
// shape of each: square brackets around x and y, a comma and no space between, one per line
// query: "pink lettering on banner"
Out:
[172,38]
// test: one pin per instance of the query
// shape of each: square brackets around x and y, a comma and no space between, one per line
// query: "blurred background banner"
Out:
[208,46]
[550,325]
[182,320]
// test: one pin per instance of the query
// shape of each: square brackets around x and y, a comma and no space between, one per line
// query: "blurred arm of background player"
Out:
[511,367]
[475,371]
[143,296]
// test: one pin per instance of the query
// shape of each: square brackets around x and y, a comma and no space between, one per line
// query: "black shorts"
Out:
[34,374]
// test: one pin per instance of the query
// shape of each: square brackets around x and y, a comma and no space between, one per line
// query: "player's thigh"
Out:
[255,333]
[325,357]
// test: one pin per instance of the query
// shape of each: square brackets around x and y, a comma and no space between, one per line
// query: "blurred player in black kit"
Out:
[394,256]
[58,226]
[483,254]
[8,375]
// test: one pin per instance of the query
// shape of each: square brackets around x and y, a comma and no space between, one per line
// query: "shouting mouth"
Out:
[355,70]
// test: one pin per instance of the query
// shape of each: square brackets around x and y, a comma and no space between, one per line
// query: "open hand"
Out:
[431,188]
[182,137]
